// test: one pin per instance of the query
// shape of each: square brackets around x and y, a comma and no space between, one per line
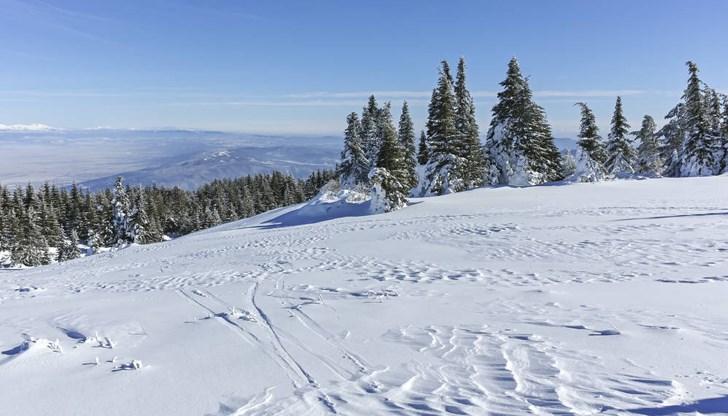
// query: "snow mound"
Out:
[327,205]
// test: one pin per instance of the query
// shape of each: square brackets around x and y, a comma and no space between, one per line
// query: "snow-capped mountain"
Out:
[35,127]
[604,298]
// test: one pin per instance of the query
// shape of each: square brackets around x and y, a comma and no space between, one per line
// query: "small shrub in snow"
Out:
[133,365]
[235,313]
[55,346]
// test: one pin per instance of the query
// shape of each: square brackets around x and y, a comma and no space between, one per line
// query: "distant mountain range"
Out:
[94,158]
[297,160]
[185,158]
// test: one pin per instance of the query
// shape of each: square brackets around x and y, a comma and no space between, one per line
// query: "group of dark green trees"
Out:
[38,226]
[379,156]
[519,148]
[693,142]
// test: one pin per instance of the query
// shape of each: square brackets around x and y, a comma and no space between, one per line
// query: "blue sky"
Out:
[298,67]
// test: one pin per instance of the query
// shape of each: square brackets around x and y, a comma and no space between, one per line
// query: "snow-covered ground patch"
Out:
[606,298]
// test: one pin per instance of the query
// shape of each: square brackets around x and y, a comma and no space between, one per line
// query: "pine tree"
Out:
[354,166]
[211,217]
[649,161]
[672,135]
[141,227]
[590,158]
[30,248]
[469,141]
[391,176]
[49,223]
[620,155]
[444,162]
[422,153]
[406,136]
[724,137]
[697,154]
[369,130]
[589,139]
[68,248]
[121,216]
[520,146]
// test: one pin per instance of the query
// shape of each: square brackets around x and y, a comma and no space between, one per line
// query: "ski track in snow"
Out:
[331,306]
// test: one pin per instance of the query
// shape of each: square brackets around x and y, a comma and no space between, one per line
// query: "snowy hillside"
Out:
[606,298]
[166,157]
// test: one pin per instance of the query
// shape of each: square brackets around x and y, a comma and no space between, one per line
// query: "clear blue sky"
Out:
[298,67]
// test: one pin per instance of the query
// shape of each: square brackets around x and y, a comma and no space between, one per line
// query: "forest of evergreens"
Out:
[519,147]
[38,226]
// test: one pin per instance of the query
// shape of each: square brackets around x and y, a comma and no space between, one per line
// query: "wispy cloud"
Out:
[361,94]
[587,93]
[60,18]
[275,103]
[52,8]
[476,94]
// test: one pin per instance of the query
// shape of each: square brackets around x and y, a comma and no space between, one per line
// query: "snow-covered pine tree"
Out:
[671,137]
[29,248]
[406,134]
[387,107]
[121,216]
[68,248]
[712,110]
[422,154]
[471,149]
[444,161]
[142,229]
[697,154]
[724,137]
[390,179]
[354,166]
[49,224]
[568,165]
[211,217]
[620,154]
[519,143]
[649,161]
[590,157]
[589,138]
[5,236]
[369,130]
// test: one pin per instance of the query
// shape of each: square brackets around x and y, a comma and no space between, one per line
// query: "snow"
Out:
[589,298]
[27,127]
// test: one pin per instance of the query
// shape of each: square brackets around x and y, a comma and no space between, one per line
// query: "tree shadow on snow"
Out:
[302,217]
[716,405]
[293,218]
[664,217]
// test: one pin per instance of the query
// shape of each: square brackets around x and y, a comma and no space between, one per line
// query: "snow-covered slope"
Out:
[605,298]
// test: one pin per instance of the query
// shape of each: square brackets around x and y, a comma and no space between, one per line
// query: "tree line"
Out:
[38,226]
[519,148]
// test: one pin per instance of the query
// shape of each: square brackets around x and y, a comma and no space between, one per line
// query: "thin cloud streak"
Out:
[588,93]
[480,93]
[361,94]
[304,103]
